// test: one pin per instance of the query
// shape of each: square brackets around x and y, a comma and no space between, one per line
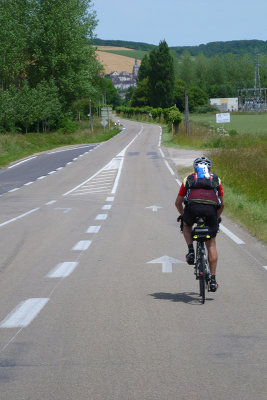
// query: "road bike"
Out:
[201,233]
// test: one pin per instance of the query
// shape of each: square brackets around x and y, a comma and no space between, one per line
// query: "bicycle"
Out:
[201,233]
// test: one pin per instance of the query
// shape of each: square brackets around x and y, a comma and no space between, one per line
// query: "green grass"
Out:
[241,163]
[17,146]
[242,123]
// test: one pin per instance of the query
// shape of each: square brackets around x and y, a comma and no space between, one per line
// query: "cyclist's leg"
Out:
[188,220]
[212,255]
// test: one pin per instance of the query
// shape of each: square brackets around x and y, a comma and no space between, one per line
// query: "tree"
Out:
[61,50]
[112,95]
[187,69]
[141,95]
[144,68]
[197,97]
[161,76]
[15,25]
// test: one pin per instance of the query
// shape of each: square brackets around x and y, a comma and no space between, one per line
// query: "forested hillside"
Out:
[124,43]
[238,47]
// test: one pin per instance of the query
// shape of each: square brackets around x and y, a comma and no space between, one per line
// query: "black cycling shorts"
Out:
[193,210]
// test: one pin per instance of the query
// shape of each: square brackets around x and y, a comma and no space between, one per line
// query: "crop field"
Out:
[116,62]
[241,123]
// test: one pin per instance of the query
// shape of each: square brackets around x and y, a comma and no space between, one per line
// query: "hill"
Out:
[238,47]
[116,62]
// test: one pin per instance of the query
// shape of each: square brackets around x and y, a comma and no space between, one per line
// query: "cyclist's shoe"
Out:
[190,257]
[213,285]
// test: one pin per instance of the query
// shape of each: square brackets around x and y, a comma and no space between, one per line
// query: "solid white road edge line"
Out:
[21,162]
[161,152]
[24,313]
[19,216]
[168,166]
[231,235]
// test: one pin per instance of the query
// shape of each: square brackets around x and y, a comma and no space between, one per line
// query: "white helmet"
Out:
[202,160]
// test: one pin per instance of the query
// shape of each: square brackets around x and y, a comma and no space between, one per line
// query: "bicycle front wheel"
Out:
[202,288]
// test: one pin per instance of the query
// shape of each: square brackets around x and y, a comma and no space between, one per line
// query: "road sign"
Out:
[222,118]
[104,122]
[106,112]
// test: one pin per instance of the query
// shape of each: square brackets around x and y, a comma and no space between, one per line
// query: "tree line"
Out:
[163,78]
[47,62]
[237,47]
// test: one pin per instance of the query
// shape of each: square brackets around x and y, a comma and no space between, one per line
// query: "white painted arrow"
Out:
[65,210]
[154,208]
[166,262]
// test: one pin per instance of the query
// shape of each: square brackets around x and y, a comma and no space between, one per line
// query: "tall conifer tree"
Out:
[161,76]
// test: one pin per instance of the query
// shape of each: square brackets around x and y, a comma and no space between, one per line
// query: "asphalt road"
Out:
[87,311]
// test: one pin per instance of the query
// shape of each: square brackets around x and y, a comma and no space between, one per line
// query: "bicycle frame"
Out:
[201,234]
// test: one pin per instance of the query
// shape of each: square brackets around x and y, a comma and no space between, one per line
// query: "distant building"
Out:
[135,69]
[225,104]
[124,80]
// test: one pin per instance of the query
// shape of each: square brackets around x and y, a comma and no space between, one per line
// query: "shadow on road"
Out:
[186,297]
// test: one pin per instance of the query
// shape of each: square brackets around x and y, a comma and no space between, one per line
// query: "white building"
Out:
[225,104]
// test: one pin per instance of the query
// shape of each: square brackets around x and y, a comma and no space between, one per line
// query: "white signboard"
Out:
[106,112]
[222,118]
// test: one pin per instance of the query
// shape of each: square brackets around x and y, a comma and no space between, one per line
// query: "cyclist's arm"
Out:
[220,210]
[180,198]
[179,204]
[220,192]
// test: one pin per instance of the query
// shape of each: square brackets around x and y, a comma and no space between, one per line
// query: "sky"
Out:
[181,22]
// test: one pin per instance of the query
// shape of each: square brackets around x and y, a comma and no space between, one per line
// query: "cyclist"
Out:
[202,194]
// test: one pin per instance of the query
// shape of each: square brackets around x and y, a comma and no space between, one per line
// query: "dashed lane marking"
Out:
[101,217]
[62,270]
[24,313]
[93,229]
[82,245]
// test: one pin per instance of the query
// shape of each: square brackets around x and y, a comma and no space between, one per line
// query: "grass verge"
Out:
[15,146]
[241,163]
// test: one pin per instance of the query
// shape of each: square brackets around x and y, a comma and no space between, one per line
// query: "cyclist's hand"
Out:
[180,218]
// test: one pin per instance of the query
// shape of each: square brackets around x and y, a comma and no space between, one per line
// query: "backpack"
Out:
[202,190]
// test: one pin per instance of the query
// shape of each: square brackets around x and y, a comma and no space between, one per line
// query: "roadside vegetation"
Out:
[240,161]
[15,146]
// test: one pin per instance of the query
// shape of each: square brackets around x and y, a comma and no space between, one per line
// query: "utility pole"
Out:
[187,127]
[90,115]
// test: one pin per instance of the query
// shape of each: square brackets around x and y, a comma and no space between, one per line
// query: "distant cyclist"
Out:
[202,194]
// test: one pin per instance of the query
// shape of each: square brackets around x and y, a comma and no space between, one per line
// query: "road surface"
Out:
[96,300]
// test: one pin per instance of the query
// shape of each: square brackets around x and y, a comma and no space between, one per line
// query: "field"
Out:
[241,123]
[240,160]
[115,59]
